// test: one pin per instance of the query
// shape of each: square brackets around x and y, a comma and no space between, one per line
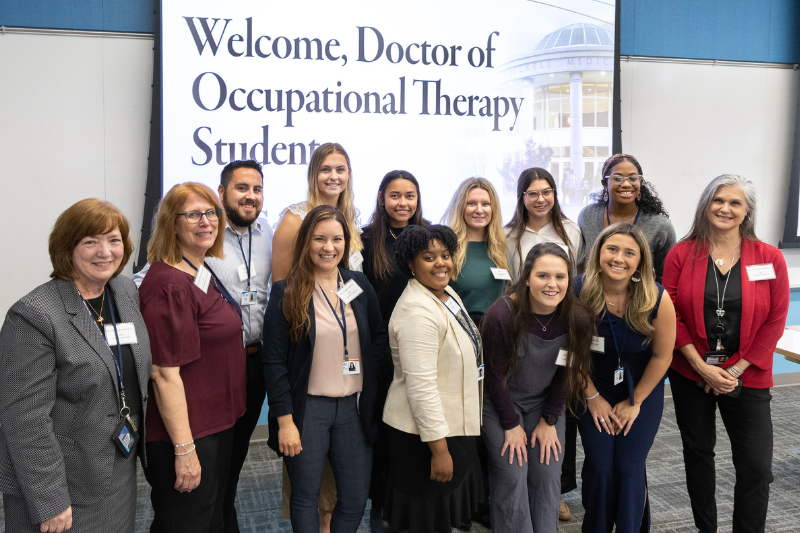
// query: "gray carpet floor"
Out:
[258,501]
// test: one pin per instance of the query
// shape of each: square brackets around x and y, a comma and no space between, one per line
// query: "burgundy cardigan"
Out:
[764,308]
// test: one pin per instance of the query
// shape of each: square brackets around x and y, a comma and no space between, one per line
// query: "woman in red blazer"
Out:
[731,296]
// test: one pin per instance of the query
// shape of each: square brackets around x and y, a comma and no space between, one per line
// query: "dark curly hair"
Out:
[649,202]
[415,240]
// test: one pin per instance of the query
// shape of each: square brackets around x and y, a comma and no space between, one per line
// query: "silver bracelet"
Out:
[592,397]
[186,453]
[186,444]
[734,371]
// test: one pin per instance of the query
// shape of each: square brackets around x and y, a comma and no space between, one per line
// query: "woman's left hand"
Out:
[626,414]
[548,441]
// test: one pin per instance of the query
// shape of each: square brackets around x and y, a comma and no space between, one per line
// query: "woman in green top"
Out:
[474,215]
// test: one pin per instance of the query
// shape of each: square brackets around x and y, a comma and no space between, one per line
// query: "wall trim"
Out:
[14,30]
[720,62]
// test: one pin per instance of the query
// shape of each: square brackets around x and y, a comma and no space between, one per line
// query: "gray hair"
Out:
[701,227]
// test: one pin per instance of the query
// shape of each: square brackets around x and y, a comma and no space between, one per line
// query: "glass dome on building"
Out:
[576,34]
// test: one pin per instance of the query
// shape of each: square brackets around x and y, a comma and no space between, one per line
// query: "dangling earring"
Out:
[634,278]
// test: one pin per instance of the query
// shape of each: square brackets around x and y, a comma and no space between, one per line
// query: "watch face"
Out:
[551,420]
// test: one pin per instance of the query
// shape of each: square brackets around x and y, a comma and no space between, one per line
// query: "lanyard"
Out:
[620,365]
[248,259]
[608,216]
[466,325]
[343,322]
[220,288]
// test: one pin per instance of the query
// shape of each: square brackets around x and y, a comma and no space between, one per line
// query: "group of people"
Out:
[442,371]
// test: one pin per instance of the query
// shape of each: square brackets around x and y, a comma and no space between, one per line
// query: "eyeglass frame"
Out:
[638,178]
[544,193]
[217,211]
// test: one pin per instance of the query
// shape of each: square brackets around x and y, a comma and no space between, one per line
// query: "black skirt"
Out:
[416,503]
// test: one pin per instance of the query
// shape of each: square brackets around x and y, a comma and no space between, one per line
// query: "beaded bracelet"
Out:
[186,453]
[592,397]
[186,444]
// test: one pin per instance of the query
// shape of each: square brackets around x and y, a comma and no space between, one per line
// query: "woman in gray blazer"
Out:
[74,367]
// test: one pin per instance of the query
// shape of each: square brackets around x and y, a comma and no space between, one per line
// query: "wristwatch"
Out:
[550,419]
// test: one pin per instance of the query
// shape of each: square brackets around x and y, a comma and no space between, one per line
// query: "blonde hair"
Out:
[640,297]
[164,245]
[493,234]
[345,203]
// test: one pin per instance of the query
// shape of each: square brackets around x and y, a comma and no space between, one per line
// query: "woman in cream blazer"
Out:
[434,402]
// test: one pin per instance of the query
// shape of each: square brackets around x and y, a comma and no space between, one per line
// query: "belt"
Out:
[250,349]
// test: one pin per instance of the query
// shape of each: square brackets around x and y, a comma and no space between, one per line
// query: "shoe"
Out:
[563,511]
[466,525]
[376,522]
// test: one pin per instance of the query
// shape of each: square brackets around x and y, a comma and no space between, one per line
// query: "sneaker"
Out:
[563,511]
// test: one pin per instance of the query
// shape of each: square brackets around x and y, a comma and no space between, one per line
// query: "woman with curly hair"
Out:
[627,197]
[434,404]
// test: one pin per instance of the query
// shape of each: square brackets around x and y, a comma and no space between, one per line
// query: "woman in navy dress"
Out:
[625,396]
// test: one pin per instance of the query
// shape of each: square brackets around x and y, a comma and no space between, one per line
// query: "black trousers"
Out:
[242,431]
[748,422]
[198,511]
[569,480]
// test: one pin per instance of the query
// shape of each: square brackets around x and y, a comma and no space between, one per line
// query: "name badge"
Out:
[598,344]
[350,368]
[500,273]
[481,371]
[760,272]
[716,360]
[561,360]
[619,375]
[126,331]
[202,278]
[349,291]
[243,272]
[453,306]
[355,261]
[249,297]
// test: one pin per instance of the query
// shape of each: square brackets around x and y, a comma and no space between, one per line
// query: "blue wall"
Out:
[742,30]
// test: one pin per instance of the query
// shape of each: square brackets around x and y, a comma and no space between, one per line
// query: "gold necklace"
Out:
[617,295]
[393,235]
[100,314]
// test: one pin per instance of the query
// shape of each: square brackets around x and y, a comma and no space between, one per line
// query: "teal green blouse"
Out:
[476,285]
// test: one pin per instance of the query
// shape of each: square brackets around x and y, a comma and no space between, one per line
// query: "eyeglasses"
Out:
[194,217]
[533,195]
[621,179]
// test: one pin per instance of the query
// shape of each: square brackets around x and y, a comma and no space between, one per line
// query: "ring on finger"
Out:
[602,420]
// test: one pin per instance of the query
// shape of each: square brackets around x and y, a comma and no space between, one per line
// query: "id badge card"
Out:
[481,370]
[202,278]
[561,360]
[125,438]
[355,261]
[249,297]
[500,273]
[760,272]
[715,358]
[349,291]
[598,344]
[126,331]
[242,269]
[619,375]
[350,368]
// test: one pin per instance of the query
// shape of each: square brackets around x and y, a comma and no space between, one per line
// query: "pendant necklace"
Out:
[393,235]
[617,295]
[100,314]
[721,303]
[544,327]
[721,262]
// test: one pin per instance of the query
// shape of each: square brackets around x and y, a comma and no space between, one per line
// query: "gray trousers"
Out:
[524,499]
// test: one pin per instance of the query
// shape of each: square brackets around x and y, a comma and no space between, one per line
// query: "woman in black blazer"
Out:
[318,324]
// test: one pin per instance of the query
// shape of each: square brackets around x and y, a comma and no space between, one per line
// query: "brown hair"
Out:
[300,281]
[83,219]
[164,245]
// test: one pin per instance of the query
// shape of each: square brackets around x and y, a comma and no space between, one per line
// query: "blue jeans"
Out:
[332,428]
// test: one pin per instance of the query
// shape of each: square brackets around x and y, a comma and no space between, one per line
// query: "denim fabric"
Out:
[331,427]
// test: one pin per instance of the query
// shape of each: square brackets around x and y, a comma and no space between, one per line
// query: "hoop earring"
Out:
[634,278]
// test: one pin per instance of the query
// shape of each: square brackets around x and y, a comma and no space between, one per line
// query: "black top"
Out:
[728,331]
[133,396]
[390,288]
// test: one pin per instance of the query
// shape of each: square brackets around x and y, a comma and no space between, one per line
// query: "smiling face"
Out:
[548,284]
[539,205]
[195,239]
[96,258]
[433,267]
[727,209]
[332,178]
[327,246]
[243,198]
[619,257]
[625,192]
[478,211]
[400,201]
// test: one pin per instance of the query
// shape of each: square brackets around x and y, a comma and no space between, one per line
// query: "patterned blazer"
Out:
[58,397]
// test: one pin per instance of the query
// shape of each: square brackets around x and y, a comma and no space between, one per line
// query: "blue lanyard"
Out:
[343,322]
[117,358]
[220,288]
[471,332]
[248,259]
[608,216]
[626,367]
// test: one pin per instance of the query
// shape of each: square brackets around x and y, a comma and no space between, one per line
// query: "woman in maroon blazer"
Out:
[731,296]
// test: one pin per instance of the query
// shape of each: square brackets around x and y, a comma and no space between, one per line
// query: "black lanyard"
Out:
[466,325]
[608,216]
[620,365]
[343,322]
[124,411]
[248,259]
[220,288]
